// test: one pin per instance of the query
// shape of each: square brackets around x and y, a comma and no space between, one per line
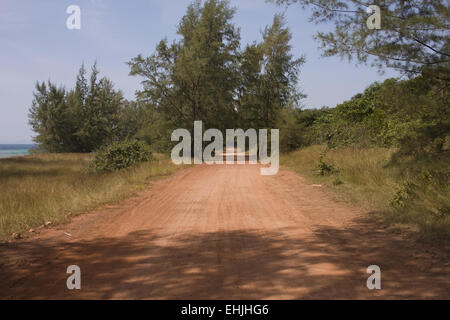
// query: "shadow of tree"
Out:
[329,263]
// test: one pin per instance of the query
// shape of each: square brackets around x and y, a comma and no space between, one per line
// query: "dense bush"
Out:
[81,119]
[412,115]
[298,128]
[121,155]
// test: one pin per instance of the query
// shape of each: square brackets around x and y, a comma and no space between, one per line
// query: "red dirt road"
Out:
[224,232]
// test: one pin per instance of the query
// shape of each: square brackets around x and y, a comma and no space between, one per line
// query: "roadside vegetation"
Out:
[43,188]
[387,147]
[410,195]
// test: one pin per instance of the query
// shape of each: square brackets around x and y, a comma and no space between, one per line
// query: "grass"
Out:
[412,194]
[46,187]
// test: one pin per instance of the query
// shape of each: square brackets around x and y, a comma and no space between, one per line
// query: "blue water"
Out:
[15,150]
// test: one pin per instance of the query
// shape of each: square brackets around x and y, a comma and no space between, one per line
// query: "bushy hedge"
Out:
[412,115]
[121,155]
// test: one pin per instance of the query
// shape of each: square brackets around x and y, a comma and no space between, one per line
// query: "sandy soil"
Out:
[224,232]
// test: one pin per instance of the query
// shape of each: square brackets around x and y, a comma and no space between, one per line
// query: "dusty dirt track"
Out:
[224,232]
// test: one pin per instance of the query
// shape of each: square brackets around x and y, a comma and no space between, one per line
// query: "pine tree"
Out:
[82,119]
[270,77]
[195,78]
[413,36]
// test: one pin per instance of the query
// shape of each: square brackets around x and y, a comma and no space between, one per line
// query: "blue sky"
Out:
[35,45]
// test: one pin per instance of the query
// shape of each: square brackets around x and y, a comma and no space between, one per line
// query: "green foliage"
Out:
[269,78]
[413,35]
[196,77]
[424,198]
[412,115]
[82,119]
[205,76]
[402,196]
[120,155]
[299,128]
[324,168]
[155,129]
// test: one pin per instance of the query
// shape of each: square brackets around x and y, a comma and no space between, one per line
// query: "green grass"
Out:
[409,193]
[46,187]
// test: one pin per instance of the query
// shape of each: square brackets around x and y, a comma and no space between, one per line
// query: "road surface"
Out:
[224,232]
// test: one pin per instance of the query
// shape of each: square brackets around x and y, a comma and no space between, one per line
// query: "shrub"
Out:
[337,182]
[403,196]
[121,155]
[324,168]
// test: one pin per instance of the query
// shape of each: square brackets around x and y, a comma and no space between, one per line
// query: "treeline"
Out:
[209,75]
[82,119]
[413,115]
[205,75]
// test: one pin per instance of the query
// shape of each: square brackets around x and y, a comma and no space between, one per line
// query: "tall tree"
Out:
[195,78]
[413,38]
[270,77]
[250,92]
[51,118]
[82,119]
[100,113]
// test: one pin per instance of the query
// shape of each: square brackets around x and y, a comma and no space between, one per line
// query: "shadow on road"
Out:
[244,264]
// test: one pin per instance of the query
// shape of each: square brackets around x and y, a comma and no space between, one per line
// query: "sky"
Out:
[36,45]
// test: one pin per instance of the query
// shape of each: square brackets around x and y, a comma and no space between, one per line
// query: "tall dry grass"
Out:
[45,187]
[411,193]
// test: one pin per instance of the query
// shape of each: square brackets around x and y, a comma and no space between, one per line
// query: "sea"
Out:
[15,150]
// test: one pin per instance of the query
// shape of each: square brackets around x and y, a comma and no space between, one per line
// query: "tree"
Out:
[206,76]
[408,114]
[269,77]
[99,114]
[195,78]
[250,90]
[51,118]
[82,119]
[413,37]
